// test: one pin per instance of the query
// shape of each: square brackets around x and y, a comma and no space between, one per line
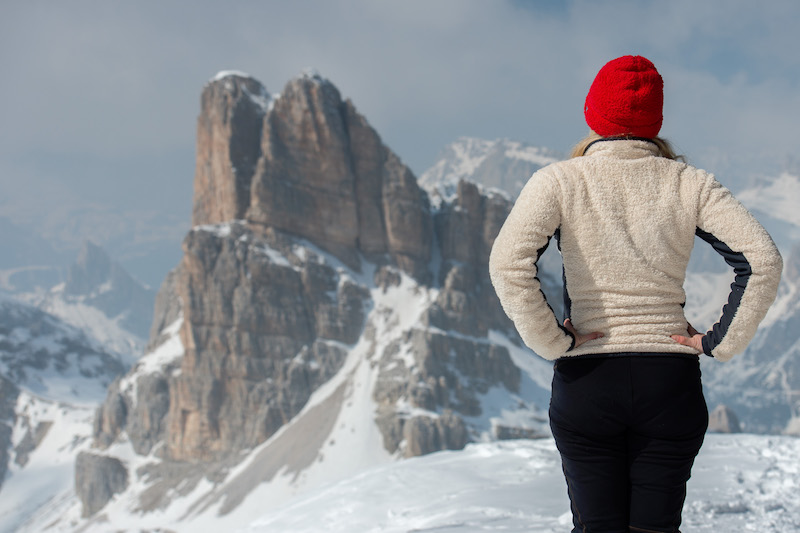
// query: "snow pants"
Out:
[628,428]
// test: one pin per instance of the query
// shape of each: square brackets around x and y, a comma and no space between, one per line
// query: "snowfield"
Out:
[327,470]
[38,483]
[740,483]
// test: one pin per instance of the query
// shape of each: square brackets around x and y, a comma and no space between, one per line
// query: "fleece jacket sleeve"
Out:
[746,246]
[523,238]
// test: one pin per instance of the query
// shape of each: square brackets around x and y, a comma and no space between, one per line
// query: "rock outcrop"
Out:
[723,420]
[307,163]
[97,479]
[304,222]
[446,375]
[465,231]
[259,336]
[8,399]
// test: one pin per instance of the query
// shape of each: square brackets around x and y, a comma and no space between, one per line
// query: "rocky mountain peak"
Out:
[90,270]
[228,146]
[319,290]
[95,280]
[500,164]
[314,75]
[309,164]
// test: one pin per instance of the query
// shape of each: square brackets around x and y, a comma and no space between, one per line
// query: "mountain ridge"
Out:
[317,278]
[329,315]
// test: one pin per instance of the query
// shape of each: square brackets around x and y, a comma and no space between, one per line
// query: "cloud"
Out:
[99,99]
[123,79]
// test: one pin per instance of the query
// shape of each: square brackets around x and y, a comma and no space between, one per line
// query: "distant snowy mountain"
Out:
[761,384]
[52,377]
[758,385]
[501,164]
[774,201]
[99,297]
[51,359]
[60,350]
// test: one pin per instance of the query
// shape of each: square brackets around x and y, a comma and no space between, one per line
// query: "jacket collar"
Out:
[627,147]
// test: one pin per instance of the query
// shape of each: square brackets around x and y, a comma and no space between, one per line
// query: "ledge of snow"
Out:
[310,73]
[222,74]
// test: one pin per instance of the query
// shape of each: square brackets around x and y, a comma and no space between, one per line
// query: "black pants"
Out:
[628,429]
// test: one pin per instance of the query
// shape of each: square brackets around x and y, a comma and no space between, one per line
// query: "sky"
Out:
[99,99]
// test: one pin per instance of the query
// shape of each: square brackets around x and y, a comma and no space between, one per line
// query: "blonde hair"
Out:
[664,147]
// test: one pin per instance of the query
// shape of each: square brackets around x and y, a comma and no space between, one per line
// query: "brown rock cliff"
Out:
[297,203]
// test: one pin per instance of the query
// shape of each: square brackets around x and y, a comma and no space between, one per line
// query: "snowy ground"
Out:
[740,483]
[44,482]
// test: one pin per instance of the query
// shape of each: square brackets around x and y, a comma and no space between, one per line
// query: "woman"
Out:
[627,408]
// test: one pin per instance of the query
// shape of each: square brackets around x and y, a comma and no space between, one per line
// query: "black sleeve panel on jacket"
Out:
[567,299]
[539,253]
[742,271]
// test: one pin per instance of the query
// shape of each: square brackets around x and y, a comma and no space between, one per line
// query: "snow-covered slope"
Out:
[774,201]
[334,443]
[739,483]
[52,377]
[501,164]
[334,437]
[108,332]
[51,359]
[47,436]
[60,349]
[344,482]
[100,298]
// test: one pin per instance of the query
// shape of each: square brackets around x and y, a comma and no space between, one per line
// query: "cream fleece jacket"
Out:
[626,220]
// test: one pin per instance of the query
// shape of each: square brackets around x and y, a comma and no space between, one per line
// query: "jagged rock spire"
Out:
[309,164]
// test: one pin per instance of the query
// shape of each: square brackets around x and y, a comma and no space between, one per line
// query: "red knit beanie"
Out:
[626,98]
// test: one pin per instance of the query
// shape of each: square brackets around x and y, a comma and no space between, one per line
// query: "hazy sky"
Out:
[99,99]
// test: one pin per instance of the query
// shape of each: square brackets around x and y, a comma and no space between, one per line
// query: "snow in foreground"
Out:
[739,483]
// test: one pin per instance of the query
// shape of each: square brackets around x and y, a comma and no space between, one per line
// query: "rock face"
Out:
[465,231]
[260,336]
[723,420]
[97,479]
[309,164]
[447,376]
[228,148]
[8,399]
[313,248]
